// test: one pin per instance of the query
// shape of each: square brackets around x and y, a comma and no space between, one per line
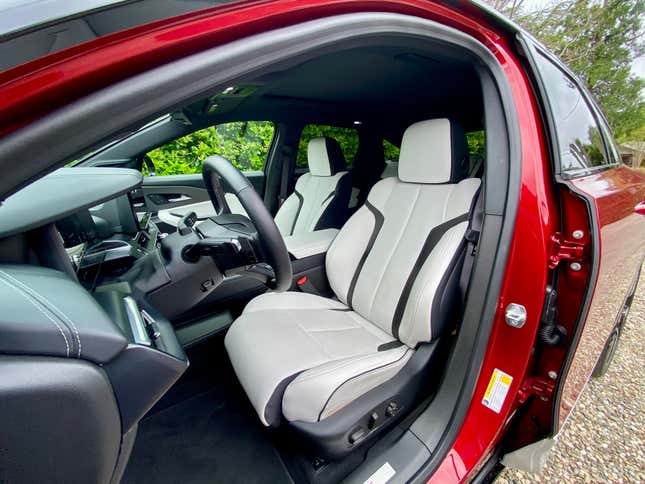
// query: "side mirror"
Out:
[149,166]
[640,208]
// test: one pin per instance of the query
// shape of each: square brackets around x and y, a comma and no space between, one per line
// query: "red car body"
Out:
[30,91]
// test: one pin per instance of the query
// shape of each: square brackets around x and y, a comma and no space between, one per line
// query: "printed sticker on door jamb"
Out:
[497,390]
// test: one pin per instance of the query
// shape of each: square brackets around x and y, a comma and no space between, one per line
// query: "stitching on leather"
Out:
[350,360]
[41,311]
[60,313]
[358,376]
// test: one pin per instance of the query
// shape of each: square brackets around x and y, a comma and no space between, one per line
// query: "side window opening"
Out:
[476,151]
[243,143]
[346,137]
[580,141]
[391,152]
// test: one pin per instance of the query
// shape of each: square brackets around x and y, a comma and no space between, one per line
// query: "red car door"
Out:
[595,283]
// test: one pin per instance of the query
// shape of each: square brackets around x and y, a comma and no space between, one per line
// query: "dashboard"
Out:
[76,266]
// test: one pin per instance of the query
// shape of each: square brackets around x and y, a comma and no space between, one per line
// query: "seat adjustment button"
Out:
[373,421]
[392,409]
[356,435]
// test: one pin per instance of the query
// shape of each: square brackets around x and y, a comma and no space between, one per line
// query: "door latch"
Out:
[536,385]
[564,249]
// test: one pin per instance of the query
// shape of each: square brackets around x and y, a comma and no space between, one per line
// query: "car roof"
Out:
[30,29]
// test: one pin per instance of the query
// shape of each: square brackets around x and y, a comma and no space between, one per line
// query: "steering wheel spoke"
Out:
[256,241]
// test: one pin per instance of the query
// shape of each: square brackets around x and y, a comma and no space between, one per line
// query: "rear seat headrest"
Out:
[324,157]
[433,151]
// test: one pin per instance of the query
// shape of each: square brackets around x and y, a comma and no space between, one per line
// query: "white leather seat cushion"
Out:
[330,353]
[408,214]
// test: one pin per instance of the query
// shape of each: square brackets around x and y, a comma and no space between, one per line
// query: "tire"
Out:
[608,352]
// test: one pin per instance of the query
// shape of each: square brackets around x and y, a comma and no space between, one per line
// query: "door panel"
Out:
[173,196]
[615,194]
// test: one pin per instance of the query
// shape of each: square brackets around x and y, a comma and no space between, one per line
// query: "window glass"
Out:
[390,152]
[476,143]
[579,138]
[346,137]
[243,143]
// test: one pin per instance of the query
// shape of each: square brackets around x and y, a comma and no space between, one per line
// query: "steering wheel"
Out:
[273,250]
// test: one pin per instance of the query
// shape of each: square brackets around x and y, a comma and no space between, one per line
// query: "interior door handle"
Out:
[166,198]
[180,198]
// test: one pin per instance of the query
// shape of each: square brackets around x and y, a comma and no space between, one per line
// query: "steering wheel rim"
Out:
[269,236]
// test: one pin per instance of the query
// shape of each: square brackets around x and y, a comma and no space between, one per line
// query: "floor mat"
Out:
[212,436]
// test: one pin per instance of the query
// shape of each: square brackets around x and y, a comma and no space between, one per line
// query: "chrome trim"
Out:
[137,324]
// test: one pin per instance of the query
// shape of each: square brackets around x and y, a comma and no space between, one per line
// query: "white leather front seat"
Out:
[393,268]
[321,196]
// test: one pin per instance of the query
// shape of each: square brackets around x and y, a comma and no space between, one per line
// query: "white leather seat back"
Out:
[321,197]
[389,261]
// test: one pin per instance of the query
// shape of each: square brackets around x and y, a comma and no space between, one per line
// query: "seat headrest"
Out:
[324,157]
[433,151]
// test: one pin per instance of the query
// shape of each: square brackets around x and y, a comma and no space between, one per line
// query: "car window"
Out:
[243,143]
[390,152]
[579,137]
[346,137]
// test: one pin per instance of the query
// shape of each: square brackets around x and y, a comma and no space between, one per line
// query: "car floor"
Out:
[205,430]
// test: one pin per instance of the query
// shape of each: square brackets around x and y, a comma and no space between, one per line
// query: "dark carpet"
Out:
[204,430]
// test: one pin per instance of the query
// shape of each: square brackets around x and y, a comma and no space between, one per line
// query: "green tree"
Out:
[347,139]
[245,144]
[598,40]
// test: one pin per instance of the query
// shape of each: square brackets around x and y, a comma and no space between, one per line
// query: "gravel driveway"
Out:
[603,440]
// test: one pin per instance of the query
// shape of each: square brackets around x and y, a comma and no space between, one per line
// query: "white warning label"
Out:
[497,390]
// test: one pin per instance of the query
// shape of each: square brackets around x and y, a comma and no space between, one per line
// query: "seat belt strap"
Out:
[472,239]
[284,176]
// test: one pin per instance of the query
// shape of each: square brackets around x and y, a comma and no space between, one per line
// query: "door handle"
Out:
[180,198]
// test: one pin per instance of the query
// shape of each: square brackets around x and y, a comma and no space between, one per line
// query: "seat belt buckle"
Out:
[305,285]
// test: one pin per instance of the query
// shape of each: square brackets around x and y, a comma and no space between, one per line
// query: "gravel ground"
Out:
[603,440]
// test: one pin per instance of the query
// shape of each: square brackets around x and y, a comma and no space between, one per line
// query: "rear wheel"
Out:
[609,351]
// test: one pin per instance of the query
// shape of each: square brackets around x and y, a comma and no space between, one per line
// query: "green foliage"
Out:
[476,143]
[390,152]
[346,137]
[245,144]
[598,41]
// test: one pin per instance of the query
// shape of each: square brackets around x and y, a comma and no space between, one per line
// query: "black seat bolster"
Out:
[331,438]
[337,212]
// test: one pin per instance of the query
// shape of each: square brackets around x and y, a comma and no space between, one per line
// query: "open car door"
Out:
[595,259]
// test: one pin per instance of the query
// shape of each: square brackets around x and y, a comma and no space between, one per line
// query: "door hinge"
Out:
[536,385]
[563,249]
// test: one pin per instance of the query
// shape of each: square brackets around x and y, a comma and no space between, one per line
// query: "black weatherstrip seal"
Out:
[433,239]
[378,224]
